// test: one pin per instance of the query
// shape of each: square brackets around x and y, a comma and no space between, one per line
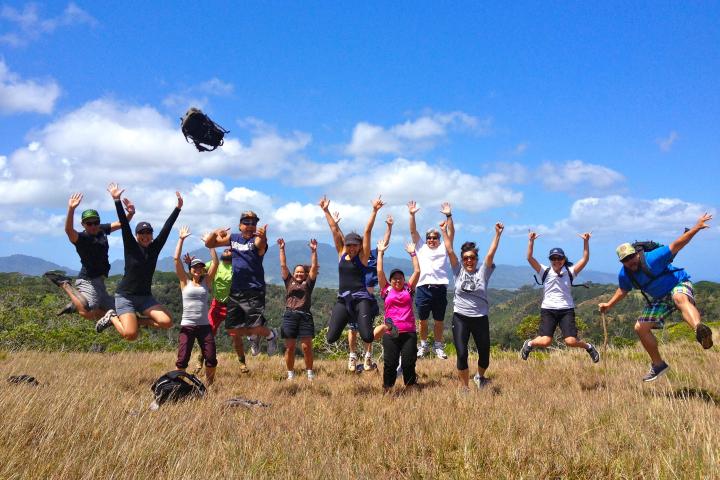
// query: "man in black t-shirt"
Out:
[89,296]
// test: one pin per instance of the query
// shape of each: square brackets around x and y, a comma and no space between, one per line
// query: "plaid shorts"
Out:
[661,308]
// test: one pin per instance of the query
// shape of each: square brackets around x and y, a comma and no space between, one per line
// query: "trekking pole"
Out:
[605,358]
[605,333]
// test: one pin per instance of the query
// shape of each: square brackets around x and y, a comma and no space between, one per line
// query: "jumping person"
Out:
[431,295]
[665,288]
[297,319]
[558,307]
[400,340]
[354,303]
[133,294]
[246,302]
[195,324]
[89,296]
[471,307]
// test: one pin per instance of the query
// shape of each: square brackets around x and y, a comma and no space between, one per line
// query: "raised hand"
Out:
[184,232]
[382,246]
[75,200]
[336,217]
[129,206]
[389,220]
[377,204]
[188,258]
[446,209]
[261,231]
[115,191]
[221,234]
[499,227]
[412,207]
[585,236]
[313,244]
[443,225]
[179,200]
[324,203]
[410,248]
[281,243]
[702,221]
[532,236]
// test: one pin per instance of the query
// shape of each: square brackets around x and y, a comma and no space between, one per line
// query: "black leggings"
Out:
[365,311]
[479,328]
[405,346]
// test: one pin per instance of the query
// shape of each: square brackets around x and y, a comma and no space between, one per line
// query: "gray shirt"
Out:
[195,305]
[471,290]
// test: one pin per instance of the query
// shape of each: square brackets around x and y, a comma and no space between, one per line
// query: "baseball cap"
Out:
[556,252]
[249,214]
[625,250]
[394,271]
[196,261]
[90,213]
[353,238]
[142,227]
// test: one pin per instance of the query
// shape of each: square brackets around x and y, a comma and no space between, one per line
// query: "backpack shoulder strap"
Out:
[544,276]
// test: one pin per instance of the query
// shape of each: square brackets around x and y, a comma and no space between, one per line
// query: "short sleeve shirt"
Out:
[657,260]
[222,281]
[248,271]
[471,290]
[298,295]
[93,252]
[433,264]
[557,291]
[398,307]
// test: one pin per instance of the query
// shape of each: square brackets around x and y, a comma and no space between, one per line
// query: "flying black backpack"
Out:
[641,248]
[570,275]
[198,128]
[175,386]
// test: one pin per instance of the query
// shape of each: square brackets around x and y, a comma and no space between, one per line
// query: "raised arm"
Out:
[586,252]
[179,269]
[218,238]
[214,263]
[314,263]
[410,248]
[261,242]
[446,210]
[382,279]
[388,231]
[377,204]
[128,238]
[490,257]
[162,237]
[284,271]
[337,235]
[532,236]
[413,209]
[685,238]
[73,203]
[448,245]
[129,213]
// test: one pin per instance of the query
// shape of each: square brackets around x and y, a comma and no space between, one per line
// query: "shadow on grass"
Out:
[686,393]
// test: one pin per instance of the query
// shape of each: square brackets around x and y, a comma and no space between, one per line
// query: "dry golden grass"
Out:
[555,416]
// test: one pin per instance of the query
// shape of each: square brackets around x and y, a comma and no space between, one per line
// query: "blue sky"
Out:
[552,116]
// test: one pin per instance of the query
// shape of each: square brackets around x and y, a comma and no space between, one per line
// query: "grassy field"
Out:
[557,415]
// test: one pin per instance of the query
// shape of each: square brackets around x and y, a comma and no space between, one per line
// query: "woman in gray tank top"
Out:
[195,325]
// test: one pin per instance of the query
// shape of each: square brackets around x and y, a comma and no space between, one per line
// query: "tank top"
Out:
[195,305]
[351,274]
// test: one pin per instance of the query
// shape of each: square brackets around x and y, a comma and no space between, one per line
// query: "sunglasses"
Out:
[432,237]
[145,232]
[249,222]
[226,259]
[628,258]
[92,223]
[555,259]
[469,257]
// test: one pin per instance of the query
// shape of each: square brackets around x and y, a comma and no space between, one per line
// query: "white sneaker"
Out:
[272,343]
[352,362]
[440,351]
[368,363]
[310,375]
[254,345]
[106,321]
[422,350]
[290,376]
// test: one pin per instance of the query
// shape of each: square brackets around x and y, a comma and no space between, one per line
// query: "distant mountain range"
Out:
[507,277]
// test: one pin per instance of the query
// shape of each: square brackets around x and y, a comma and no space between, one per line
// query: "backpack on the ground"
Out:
[203,132]
[570,276]
[641,247]
[175,386]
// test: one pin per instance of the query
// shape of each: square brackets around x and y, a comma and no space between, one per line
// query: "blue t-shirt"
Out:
[248,272]
[657,260]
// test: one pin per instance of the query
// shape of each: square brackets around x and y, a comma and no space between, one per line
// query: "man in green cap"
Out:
[88,296]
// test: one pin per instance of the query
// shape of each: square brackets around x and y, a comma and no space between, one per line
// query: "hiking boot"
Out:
[393,330]
[368,363]
[57,277]
[703,334]
[656,371]
[440,351]
[422,350]
[106,321]
[67,309]
[254,345]
[592,351]
[526,349]
[243,367]
[272,343]
[480,382]
[352,362]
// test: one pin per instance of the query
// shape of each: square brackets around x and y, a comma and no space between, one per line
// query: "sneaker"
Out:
[393,332]
[656,371]
[272,343]
[526,349]
[592,351]
[106,321]
[422,350]
[368,363]
[310,375]
[352,362]
[254,345]
[199,365]
[440,351]
[703,334]
[480,382]
[57,277]
[67,309]
[290,376]
[243,366]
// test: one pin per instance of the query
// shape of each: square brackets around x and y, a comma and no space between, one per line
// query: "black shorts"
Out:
[297,324]
[550,318]
[245,309]
[431,298]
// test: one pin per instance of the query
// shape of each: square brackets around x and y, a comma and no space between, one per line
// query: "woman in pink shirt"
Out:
[401,341]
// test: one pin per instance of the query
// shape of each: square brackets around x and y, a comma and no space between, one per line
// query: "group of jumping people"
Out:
[231,290]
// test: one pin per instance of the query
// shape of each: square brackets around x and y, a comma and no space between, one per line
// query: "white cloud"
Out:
[413,135]
[18,95]
[575,174]
[520,148]
[667,142]
[29,25]
[197,95]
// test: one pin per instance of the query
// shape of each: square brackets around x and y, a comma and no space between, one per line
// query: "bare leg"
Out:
[210,375]
[290,353]
[157,317]
[688,310]
[574,342]
[423,330]
[239,346]
[541,342]
[306,344]
[126,325]
[81,304]
[464,377]
[648,340]
[438,331]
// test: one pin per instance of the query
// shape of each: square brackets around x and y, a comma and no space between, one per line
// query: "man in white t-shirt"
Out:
[558,307]
[431,291]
